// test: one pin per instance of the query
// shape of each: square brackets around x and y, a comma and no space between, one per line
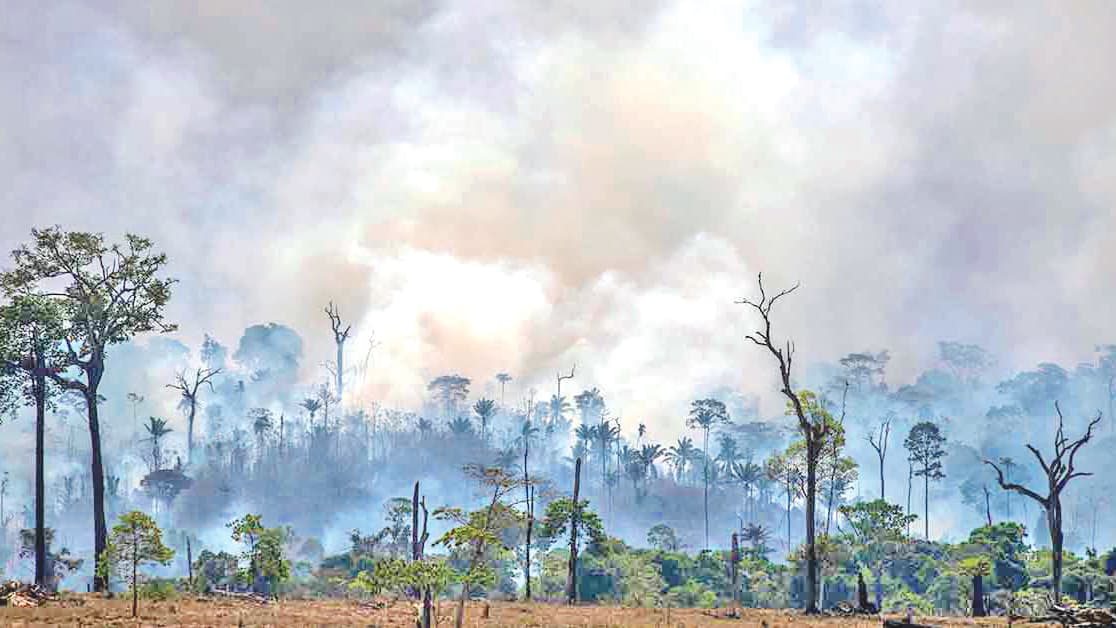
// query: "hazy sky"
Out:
[521,185]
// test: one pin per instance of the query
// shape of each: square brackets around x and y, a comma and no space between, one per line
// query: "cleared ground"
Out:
[91,610]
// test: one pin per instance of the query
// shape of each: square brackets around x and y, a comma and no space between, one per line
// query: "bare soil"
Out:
[92,610]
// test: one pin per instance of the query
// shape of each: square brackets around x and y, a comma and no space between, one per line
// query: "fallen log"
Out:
[899,623]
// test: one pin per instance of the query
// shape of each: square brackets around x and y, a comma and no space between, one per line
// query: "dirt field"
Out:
[89,610]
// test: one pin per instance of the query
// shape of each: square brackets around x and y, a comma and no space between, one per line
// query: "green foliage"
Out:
[159,589]
[691,594]
[264,551]
[903,599]
[134,543]
[663,537]
[559,514]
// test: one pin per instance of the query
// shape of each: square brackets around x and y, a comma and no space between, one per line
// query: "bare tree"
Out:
[813,432]
[189,390]
[1059,471]
[339,336]
[561,377]
[879,443]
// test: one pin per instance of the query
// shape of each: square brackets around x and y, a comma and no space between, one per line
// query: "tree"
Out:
[966,362]
[29,331]
[780,468]
[261,424]
[156,430]
[879,443]
[503,378]
[663,538]
[57,564]
[263,552]
[135,542]
[340,335]
[866,369]
[878,528]
[448,391]
[189,391]
[680,455]
[478,530]
[110,294]
[925,446]
[1059,471]
[813,433]
[484,409]
[704,415]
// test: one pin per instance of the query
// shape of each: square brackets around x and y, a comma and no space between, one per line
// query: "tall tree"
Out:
[705,414]
[879,443]
[340,335]
[925,446]
[813,432]
[110,293]
[30,328]
[449,391]
[188,388]
[680,455]
[156,430]
[503,378]
[1059,471]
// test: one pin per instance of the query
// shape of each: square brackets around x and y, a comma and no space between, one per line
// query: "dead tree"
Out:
[1059,471]
[734,571]
[418,545]
[814,432]
[189,390]
[561,377]
[339,336]
[575,521]
[529,491]
[880,445]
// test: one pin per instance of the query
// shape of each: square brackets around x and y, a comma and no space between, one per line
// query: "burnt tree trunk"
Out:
[575,521]
[978,596]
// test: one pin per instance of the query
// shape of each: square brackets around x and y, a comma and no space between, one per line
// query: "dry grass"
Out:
[92,610]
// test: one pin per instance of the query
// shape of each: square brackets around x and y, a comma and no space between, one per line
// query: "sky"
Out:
[524,186]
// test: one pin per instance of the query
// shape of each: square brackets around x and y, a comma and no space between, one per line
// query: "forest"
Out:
[162,469]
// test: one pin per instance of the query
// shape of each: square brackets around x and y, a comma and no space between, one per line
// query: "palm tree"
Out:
[484,409]
[261,425]
[641,431]
[748,474]
[647,455]
[704,415]
[756,536]
[156,429]
[585,435]
[680,455]
[590,404]
[461,427]
[424,426]
[503,378]
[558,407]
[606,433]
[728,452]
[311,405]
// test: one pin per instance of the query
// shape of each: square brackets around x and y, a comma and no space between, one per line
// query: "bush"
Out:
[903,599]
[160,589]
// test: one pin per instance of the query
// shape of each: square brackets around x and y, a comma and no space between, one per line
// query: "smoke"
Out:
[519,187]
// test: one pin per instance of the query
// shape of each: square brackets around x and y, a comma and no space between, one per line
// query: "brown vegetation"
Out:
[94,610]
